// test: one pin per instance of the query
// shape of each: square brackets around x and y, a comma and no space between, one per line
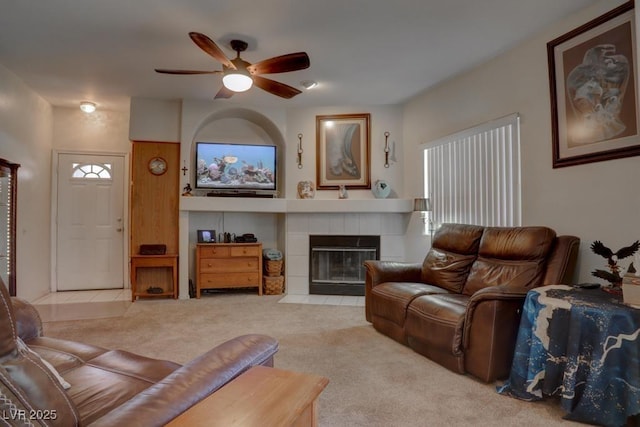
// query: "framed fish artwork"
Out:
[343,151]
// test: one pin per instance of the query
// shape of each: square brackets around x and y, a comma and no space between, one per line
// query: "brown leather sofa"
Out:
[461,306]
[107,387]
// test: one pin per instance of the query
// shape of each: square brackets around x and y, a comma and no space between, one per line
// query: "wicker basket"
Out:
[273,285]
[272,268]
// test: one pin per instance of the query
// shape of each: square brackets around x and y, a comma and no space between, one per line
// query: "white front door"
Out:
[90,222]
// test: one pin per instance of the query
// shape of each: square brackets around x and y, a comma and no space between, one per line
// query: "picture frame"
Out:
[206,236]
[592,78]
[343,151]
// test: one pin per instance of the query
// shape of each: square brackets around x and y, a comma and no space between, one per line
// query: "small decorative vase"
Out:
[381,189]
[306,190]
[342,192]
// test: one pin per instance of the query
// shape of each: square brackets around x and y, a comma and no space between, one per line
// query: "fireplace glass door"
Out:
[338,269]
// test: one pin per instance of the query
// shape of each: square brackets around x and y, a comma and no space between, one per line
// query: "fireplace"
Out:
[336,263]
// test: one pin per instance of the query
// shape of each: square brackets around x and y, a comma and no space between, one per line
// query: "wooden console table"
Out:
[260,397]
[154,261]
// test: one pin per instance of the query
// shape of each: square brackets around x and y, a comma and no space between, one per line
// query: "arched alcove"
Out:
[241,125]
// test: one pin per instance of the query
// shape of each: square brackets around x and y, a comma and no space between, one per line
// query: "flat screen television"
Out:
[235,167]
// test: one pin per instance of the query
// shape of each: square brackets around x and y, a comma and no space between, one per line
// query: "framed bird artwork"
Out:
[593,81]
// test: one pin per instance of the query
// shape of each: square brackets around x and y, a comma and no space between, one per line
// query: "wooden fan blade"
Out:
[168,71]
[281,64]
[208,45]
[224,93]
[276,88]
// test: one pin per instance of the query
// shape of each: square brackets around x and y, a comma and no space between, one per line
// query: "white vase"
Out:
[381,189]
[342,192]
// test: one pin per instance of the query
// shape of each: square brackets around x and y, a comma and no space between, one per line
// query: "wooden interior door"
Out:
[154,204]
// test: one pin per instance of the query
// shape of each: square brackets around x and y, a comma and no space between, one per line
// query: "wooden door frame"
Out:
[54,211]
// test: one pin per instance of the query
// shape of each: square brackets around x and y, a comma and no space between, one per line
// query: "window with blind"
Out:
[473,176]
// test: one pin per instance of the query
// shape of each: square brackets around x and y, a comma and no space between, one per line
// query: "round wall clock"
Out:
[157,166]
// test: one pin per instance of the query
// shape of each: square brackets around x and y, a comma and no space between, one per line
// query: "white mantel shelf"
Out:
[249,204]
[350,205]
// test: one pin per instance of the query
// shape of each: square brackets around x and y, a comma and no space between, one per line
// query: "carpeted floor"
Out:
[374,381]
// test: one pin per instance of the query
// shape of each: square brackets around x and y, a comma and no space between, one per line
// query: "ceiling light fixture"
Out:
[309,84]
[237,80]
[88,107]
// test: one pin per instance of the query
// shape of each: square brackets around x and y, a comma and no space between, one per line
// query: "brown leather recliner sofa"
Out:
[107,387]
[461,306]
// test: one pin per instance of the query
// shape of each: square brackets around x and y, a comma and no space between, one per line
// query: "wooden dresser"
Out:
[228,265]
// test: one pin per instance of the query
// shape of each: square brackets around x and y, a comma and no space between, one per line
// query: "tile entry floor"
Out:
[85,296]
[78,305]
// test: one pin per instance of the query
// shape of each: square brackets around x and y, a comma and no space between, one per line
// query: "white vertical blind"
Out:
[473,176]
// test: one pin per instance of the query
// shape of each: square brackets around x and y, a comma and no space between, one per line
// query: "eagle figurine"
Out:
[612,276]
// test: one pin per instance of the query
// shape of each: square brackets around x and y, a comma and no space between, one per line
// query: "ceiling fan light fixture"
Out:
[88,107]
[239,75]
[237,82]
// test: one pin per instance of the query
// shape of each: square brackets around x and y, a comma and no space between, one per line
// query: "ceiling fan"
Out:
[239,75]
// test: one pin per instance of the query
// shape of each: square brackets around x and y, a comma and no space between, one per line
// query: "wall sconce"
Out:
[88,107]
[386,150]
[423,205]
[300,151]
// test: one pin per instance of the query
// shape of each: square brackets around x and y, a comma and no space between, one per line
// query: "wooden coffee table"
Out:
[261,397]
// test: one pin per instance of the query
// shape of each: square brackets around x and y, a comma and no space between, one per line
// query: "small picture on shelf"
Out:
[206,236]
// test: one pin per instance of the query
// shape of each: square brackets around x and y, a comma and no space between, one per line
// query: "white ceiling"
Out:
[363,52]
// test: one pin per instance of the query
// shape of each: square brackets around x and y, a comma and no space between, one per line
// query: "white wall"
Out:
[26,138]
[596,201]
[29,130]
[384,118]
[102,131]
[155,120]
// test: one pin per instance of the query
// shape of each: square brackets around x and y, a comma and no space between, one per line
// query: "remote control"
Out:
[587,285]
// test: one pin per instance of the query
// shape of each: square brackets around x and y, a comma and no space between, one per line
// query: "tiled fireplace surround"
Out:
[389,226]
[287,225]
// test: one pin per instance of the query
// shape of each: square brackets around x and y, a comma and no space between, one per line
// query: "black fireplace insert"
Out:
[336,263]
